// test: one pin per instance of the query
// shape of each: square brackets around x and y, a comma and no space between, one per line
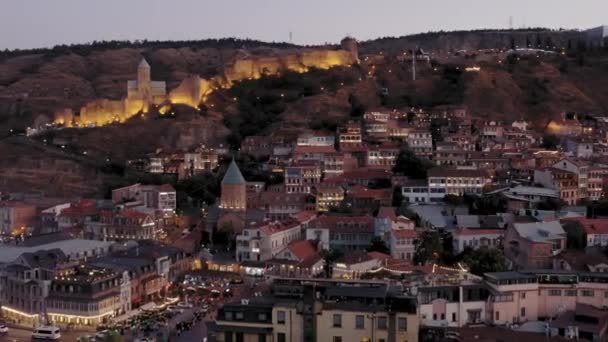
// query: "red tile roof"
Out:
[304,216]
[387,212]
[470,232]
[314,149]
[404,233]
[302,249]
[278,226]
[343,223]
[593,226]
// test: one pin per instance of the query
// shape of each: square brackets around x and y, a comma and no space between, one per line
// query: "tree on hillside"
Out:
[483,260]
[357,108]
[378,245]
[329,260]
[550,141]
[397,197]
[411,165]
[429,248]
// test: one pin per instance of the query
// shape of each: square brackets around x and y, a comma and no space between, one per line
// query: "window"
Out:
[523,312]
[523,295]
[443,317]
[228,336]
[337,339]
[434,317]
[228,315]
[261,337]
[402,324]
[587,293]
[555,292]
[605,294]
[337,321]
[571,293]
[281,337]
[359,322]
[239,337]
[382,322]
[453,317]
[238,316]
[281,317]
[261,317]
[497,316]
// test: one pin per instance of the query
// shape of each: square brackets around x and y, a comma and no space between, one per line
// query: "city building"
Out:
[342,232]
[420,141]
[265,240]
[463,238]
[161,198]
[16,218]
[532,245]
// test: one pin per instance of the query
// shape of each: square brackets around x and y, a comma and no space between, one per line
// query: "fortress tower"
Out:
[234,196]
[350,44]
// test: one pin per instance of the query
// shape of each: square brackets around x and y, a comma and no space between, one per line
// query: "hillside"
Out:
[35,83]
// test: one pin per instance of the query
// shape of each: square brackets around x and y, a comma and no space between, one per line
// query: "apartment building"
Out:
[532,245]
[16,217]
[202,159]
[453,305]
[316,139]
[157,197]
[302,177]
[463,238]
[383,156]
[123,225]
[564,182]
[402,241]
[263,241]
[342,232]
[420,141]
[529,295]
[580,169]
[349,134]
[85,295]
[321,310]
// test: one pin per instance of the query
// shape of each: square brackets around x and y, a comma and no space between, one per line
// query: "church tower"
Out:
[234,195]
[350,44]
[143,77]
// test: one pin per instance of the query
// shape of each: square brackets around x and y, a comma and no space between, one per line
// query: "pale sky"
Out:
[44,23]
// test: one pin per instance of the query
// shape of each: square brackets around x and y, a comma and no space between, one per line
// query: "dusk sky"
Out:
[44,23]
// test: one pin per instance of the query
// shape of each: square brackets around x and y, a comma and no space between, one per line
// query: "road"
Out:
[21,335]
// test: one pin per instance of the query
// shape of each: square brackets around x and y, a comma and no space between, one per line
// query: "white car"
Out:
[3,329]
[102,334]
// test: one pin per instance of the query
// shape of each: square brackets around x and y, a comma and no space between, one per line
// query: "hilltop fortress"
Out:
[144,93]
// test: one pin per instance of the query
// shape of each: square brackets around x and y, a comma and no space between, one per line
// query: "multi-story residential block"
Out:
[580,168]
[360,198]
[16,217]
[449,154]
[307,311]
[76,214]
[596,182]
[349,134]
[301,177]
[531,295]
[463,238]
[564,182]
[525,197]
[263,241]
[328,195]
[453,304]
[357,263]
[87,296]
[257,146]
[402,240]
[161,198]
[580,147]
[312,153]
[383,156]
[585,322]
[337,163]
[316,139]
[420,141]
[345,233]
[279,206]
[532,245]
[123,225]
[202,159]
[458,181]
[376,130]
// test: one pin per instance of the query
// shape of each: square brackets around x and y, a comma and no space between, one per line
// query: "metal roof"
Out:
[233,175]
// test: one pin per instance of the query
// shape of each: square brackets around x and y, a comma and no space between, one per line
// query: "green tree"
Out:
[357,108]
[550,204]
[550,141]
[410,165]
[397,197]
[329,261]
[429,248]
[483,260]
[453,200]
[378,245]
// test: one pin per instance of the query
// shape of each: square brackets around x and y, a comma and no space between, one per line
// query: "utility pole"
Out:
[290,37]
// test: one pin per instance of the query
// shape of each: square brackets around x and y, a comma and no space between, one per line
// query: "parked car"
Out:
[3,329]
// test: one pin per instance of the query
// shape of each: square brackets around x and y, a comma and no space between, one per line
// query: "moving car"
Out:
[46,332]
[3,329]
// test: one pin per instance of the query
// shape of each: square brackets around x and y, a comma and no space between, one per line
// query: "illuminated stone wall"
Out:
[194,90]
